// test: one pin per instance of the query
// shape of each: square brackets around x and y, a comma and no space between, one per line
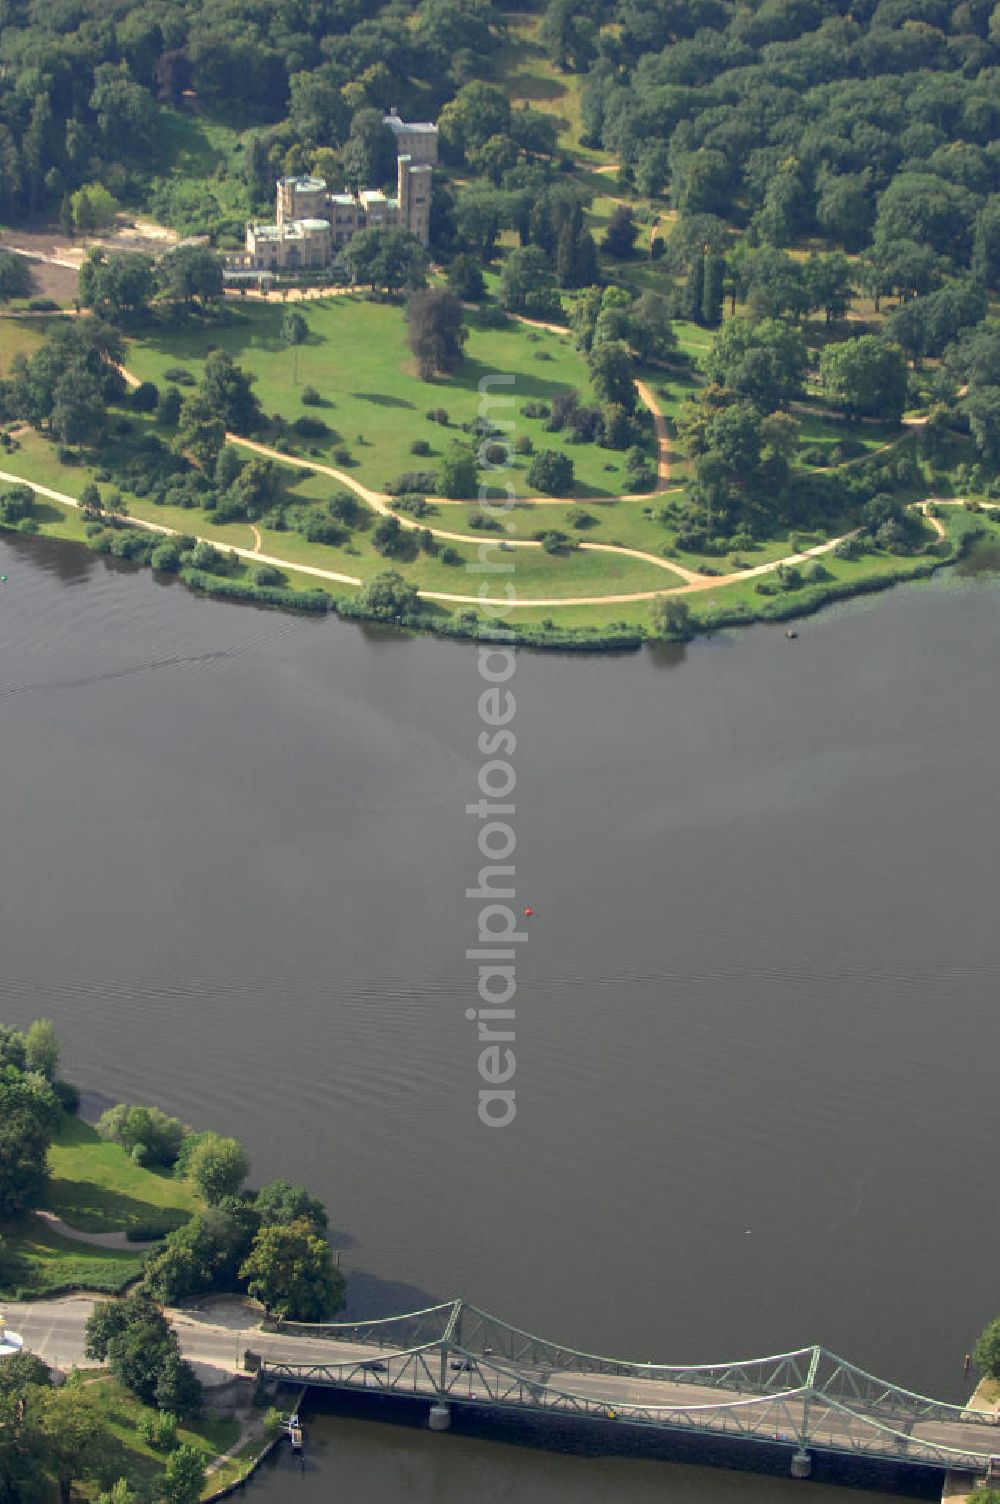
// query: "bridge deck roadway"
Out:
[54,1329]
[732,1412]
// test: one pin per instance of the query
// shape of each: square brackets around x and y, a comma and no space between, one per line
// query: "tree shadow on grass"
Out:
[474,373]
[239,329]
[382,399]
[44,512]
[34,1260]
[95,1208]
[17,1278]
[132,1462]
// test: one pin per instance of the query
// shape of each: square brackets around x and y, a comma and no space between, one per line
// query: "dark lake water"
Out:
[757,1024]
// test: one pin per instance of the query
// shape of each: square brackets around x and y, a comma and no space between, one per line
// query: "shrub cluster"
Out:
[415,482]
[243,590]
[149,1135]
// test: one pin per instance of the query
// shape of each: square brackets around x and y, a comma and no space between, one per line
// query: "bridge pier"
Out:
[439,1417]
[802,1464]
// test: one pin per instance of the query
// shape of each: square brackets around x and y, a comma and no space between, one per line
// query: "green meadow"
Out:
[95,1187]
[375,405]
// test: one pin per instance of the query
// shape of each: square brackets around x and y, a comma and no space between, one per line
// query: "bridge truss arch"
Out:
[457,1352]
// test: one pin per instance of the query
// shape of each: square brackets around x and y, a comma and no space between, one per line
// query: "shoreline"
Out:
[617,637]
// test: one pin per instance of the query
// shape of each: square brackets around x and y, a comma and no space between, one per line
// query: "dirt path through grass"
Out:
[116,1240]
[662,434]
[693,583]
[648,399]
[382,503]
[171,532]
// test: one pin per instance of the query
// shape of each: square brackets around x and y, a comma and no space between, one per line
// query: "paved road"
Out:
[832,1428]
[670,1403]
[55,1330]
[684,1404]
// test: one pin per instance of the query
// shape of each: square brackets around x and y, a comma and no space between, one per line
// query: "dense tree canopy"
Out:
[435,330]
[218,1166]
[67,383]
[290,1269]
[281,1203]
[148,1134]
[81,90]
[15,276]
[30,1112]
[868,375]
[140,1347]
[50,1439]
[391,259]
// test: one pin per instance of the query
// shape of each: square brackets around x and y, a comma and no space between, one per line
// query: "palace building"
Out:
[417,141]
[311,224]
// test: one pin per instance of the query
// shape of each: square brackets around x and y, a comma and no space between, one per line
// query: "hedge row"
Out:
[807,602]
[262,595]
[562,639]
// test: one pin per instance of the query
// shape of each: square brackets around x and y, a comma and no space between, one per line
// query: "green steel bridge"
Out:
[455,1354]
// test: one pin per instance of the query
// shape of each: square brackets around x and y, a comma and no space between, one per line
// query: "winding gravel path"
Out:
[116,1240]
[693,581]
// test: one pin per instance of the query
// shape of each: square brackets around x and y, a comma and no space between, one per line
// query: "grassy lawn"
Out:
[97,1187]
[693,339]
[375,406]
[358,360]
[639,273]
[633,524]
[715,602]
[601,209]
[36,460]
[20,337]
[825,433]
[235,1468]
[36,1261]
[534,572]
[530,78]
[141,1463]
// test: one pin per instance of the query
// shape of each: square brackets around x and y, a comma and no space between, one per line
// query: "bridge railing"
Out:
[477,1331]
[409,1329]
[453,1347]
[806,1416]
[851,1385]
